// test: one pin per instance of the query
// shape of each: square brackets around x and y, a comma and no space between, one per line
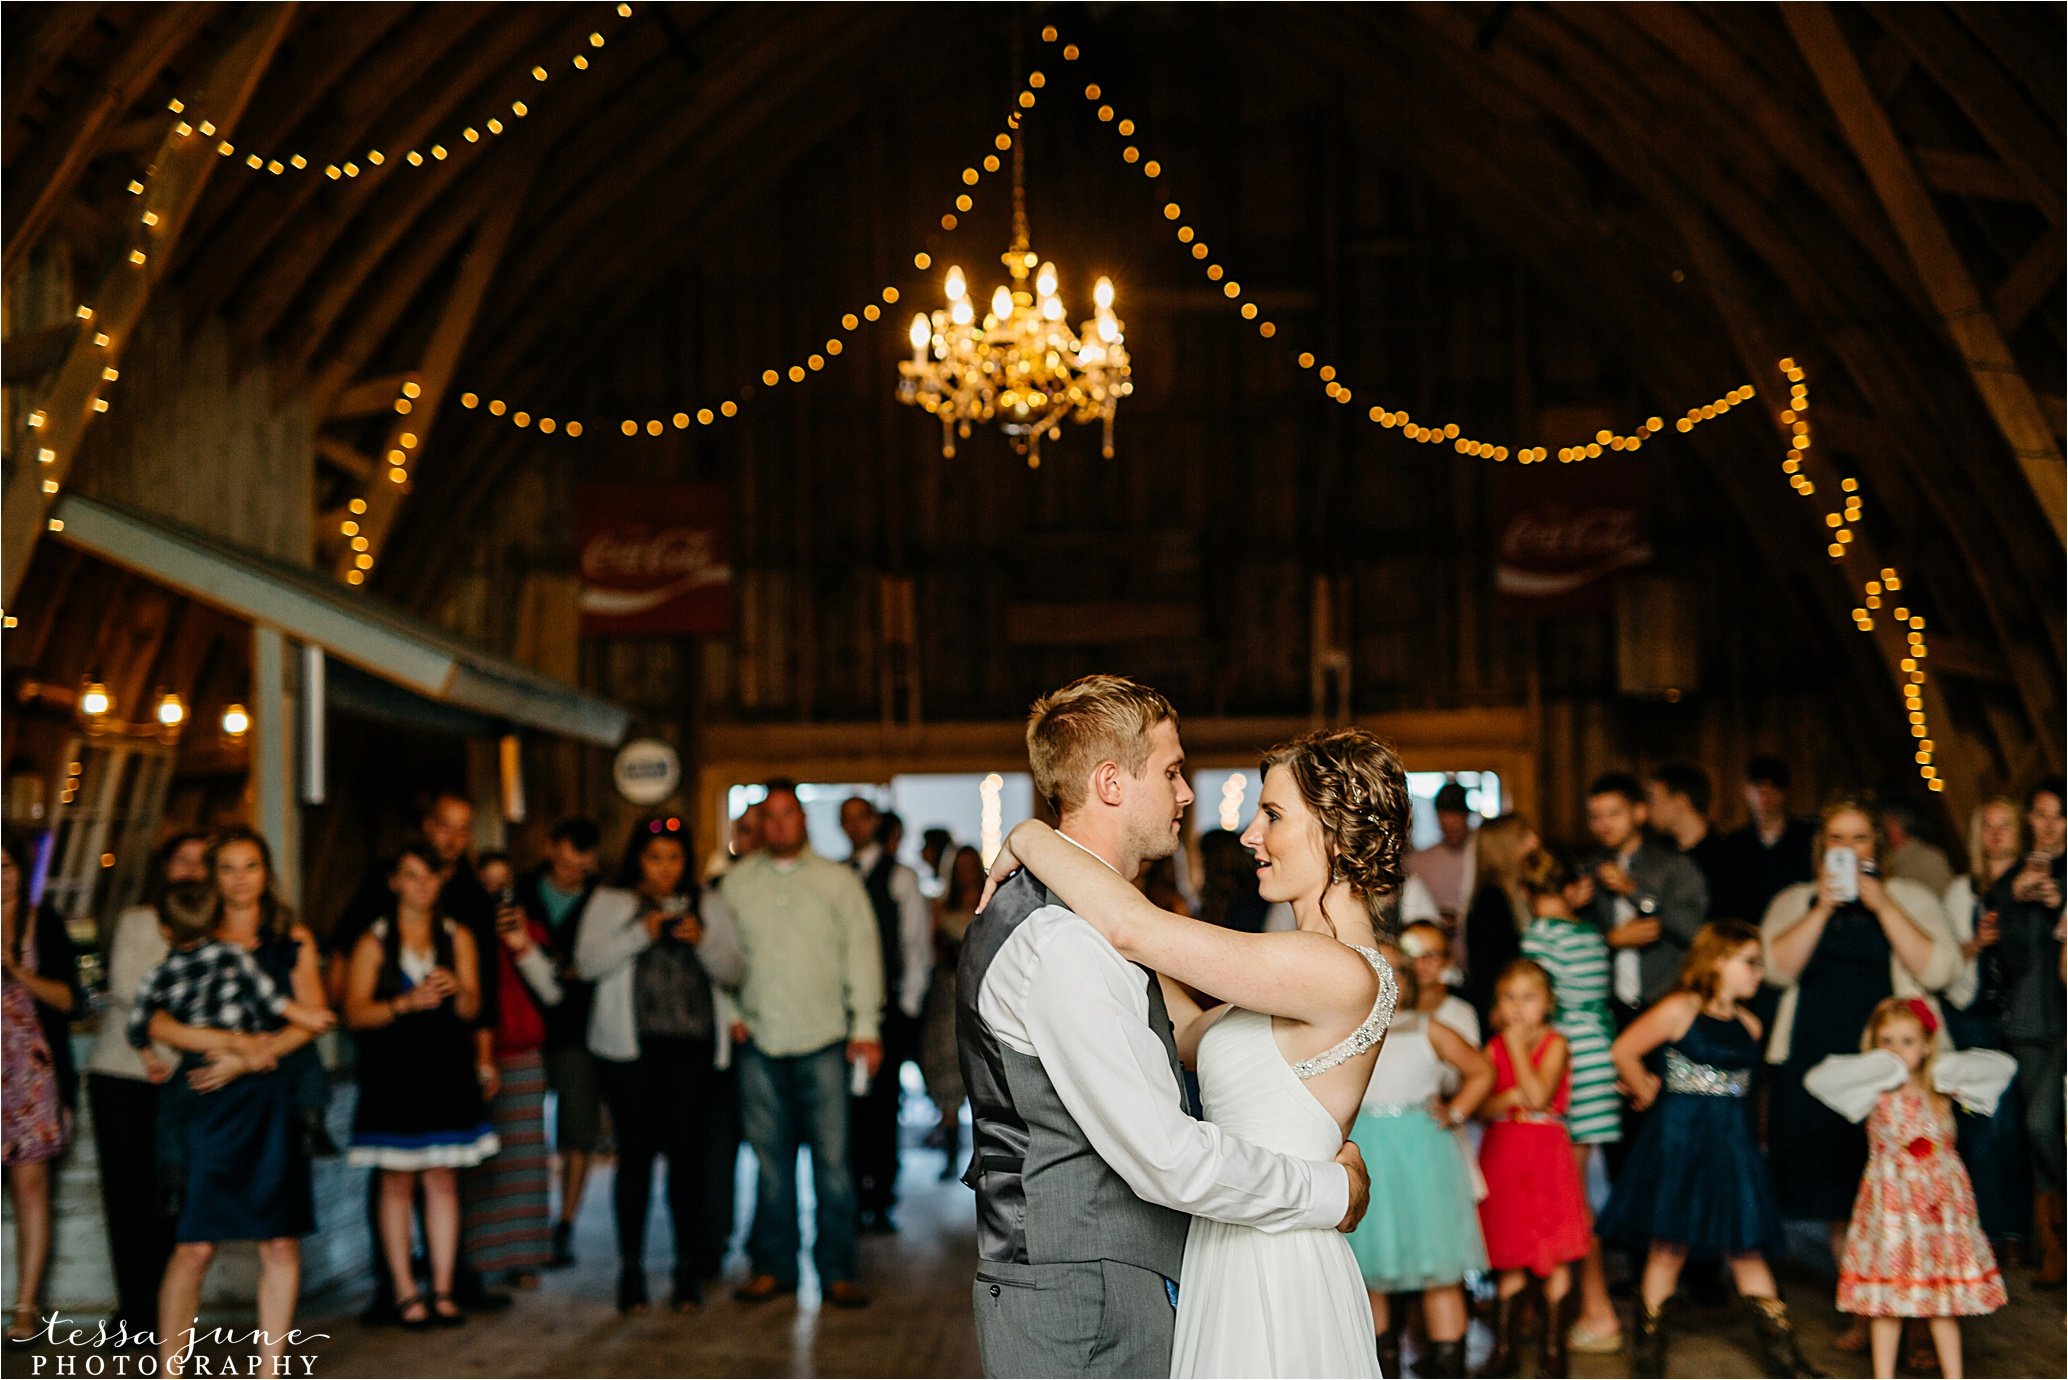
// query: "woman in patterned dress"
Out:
[37,979]
[1575,953]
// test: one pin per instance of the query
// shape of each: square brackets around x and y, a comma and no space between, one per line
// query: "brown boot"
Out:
[1501,1362]
[1551,1357]
[1648,1348]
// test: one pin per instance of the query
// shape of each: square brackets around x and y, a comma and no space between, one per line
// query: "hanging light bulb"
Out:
[236,722]
[172,711]
[94,700]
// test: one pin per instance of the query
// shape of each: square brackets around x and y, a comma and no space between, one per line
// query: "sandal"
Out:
[420,1321]
[1583,1342]
[446,1313]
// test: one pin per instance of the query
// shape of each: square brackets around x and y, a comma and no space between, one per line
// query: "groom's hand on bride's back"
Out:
[1360,1185]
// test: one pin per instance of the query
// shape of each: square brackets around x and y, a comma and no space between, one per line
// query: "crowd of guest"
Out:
[1534,1111]
[1674,1019]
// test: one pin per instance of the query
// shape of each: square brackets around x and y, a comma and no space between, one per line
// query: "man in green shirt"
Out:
[812,1001]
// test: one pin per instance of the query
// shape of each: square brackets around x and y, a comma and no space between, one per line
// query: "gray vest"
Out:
[1044,1196]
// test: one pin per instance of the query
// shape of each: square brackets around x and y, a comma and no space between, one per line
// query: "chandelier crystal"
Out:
[1018,363]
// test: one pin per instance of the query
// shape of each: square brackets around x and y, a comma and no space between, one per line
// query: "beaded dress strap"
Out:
[1365,1036]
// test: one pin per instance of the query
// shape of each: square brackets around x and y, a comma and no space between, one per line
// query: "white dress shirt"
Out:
[915,928]
[1059,992]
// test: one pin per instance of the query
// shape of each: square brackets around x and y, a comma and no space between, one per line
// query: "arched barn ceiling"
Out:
[1875,190]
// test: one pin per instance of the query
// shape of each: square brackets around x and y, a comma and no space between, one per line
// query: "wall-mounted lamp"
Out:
[95,703]
[236,722]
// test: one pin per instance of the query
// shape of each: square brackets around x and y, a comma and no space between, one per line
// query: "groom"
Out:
[1088,1164]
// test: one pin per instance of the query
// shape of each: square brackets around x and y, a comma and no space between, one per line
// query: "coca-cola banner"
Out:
[1565,531]
[653,559]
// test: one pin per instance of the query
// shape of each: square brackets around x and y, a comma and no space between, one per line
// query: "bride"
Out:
[1284,1063]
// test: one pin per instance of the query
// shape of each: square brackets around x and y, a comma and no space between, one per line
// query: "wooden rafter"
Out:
[1962,310]
[441,356]
[38,189]
[183,166]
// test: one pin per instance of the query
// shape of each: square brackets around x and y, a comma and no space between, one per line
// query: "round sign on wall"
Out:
[647,771]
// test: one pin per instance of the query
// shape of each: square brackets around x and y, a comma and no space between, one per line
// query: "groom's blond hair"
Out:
[1096,719]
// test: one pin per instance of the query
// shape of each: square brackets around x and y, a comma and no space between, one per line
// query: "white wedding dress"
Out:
[1290,1303]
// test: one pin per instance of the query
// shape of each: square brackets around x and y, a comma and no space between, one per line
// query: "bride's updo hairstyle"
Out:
[1357,789]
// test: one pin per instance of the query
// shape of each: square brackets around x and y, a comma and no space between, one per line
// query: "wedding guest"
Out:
[554,895]
[1695,1182]
[1915,1247]
[245,1146]
[123,1095]
[811,1000]
[1534,1215]
[39,991]
[1445,867]
[1837,950]
[904,931]
[506,1206]
[935,844]
[445,823]
[1648,899]
[413,994]
[1993,1145]
[655,960]
[940,1056]
[1498,914]
[1427,950]
[1676,798]
[1774,850]
[2027,900]
[1908,855]
[1574,954]
[1428,1081]
[1228,894]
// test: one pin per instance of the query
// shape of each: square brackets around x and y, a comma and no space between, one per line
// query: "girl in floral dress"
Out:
[1915,1248]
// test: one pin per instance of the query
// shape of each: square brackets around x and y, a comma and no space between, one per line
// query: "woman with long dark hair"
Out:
[122,1088]
[39,991]
[654,948]
[411,996]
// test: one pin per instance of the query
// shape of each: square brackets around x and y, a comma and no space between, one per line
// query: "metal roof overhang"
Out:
[354,628]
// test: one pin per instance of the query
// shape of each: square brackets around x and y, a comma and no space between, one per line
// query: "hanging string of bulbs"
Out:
[1875,593]
[1391,418]
[815,361]
[279,165]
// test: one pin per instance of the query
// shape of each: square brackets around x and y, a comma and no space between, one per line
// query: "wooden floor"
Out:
[920,1325]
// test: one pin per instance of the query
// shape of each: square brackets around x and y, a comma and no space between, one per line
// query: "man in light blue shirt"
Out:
[812,1000]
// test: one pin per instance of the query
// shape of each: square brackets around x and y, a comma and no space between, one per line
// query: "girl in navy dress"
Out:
[1695,1182]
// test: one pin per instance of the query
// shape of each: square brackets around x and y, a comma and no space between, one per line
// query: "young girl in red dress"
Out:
[1915,1248]
[1534,1217]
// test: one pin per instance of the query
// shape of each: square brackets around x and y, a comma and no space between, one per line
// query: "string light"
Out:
[1391,418]
[814,360]
[278,165]
[1874,594]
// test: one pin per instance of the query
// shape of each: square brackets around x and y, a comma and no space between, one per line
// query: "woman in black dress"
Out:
[411,997]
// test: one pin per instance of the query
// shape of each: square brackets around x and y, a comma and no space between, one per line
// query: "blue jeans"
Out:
[785,1102]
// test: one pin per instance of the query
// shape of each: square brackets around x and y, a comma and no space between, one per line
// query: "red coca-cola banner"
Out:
[1565,531]
[654,559]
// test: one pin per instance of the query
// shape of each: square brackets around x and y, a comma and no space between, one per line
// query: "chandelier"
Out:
[1018,364]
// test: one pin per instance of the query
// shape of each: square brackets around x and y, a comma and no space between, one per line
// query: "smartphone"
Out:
[1842,873]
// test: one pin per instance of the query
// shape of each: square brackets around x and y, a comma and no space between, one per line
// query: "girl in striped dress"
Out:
[1575,953]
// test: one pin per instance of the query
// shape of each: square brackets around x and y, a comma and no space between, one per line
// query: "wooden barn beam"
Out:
[365,397]
[29,63]
[2030,280]
[1962,311]
[448,339]
[1968,174]
[183,166]
[1984,91]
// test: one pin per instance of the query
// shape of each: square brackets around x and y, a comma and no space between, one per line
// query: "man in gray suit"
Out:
[1088,1164]
[1649,899]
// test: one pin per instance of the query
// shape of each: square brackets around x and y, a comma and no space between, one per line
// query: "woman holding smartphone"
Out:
[1838,946]
[653,1029]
